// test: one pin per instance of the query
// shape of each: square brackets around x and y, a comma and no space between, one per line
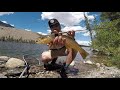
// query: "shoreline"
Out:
[79,70]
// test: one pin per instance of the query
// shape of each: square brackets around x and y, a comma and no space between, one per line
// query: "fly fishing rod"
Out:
[74,30]
[82,30]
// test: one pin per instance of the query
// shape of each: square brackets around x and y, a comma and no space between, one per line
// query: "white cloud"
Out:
[75,28]
[7,23]
[49,31]
[27,29]
[4,22]
[66,18]
[87,43]
[4,13]
[88,33]
[42,33]
[70,28]
[12,25]
[70,21]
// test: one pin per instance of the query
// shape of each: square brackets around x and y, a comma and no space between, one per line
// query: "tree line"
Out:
[12,39]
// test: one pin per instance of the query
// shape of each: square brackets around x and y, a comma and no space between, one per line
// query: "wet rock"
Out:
[14,62]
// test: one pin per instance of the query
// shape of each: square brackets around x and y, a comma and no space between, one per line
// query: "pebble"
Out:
[98,64]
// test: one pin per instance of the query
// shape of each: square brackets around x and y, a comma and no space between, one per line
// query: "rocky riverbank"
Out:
[14,67]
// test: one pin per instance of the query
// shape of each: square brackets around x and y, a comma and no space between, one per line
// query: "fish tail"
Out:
[84,54]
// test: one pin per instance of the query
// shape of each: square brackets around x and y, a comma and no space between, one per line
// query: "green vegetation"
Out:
[107,39]
[12,39]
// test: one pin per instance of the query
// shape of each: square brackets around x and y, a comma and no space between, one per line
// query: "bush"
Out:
[107,40]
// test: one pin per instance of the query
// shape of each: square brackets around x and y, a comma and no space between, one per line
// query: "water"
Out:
[13,49]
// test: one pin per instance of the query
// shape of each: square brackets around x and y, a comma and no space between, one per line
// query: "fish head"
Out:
[43,39]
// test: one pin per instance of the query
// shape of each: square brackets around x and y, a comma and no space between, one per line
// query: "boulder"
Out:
[14,62]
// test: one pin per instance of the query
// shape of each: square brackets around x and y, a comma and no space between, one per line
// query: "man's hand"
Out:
[58,40]
[71,33]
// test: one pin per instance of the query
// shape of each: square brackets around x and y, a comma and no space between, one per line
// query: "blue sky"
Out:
[38,22]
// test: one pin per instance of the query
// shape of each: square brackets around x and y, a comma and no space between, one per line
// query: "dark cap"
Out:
[53,22]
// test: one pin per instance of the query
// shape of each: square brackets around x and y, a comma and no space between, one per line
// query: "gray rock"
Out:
[2,76]
[4,58]
[2,65]
[13,72]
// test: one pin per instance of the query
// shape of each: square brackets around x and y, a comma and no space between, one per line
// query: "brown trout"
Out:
[70,43]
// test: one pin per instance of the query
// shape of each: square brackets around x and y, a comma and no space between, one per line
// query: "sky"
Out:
[38,22]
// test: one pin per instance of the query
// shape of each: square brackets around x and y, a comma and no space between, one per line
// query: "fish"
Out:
[70,43]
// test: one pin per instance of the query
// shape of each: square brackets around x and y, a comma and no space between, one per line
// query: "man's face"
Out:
[55,27]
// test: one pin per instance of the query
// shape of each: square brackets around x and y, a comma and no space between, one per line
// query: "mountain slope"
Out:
[17,33]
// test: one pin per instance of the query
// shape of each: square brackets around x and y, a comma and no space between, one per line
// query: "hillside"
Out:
[17,33]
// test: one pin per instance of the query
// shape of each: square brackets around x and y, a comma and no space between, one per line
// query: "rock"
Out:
[2,76]
[36,69]
[73,63]
[13,72]
[1,62]
[4,58]
[2,65]
[14,62]
[46,74]
[4,73]
[88,62]
[31,60]
[97,64]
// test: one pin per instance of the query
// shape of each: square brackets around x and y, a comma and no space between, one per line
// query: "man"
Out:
[57,48]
